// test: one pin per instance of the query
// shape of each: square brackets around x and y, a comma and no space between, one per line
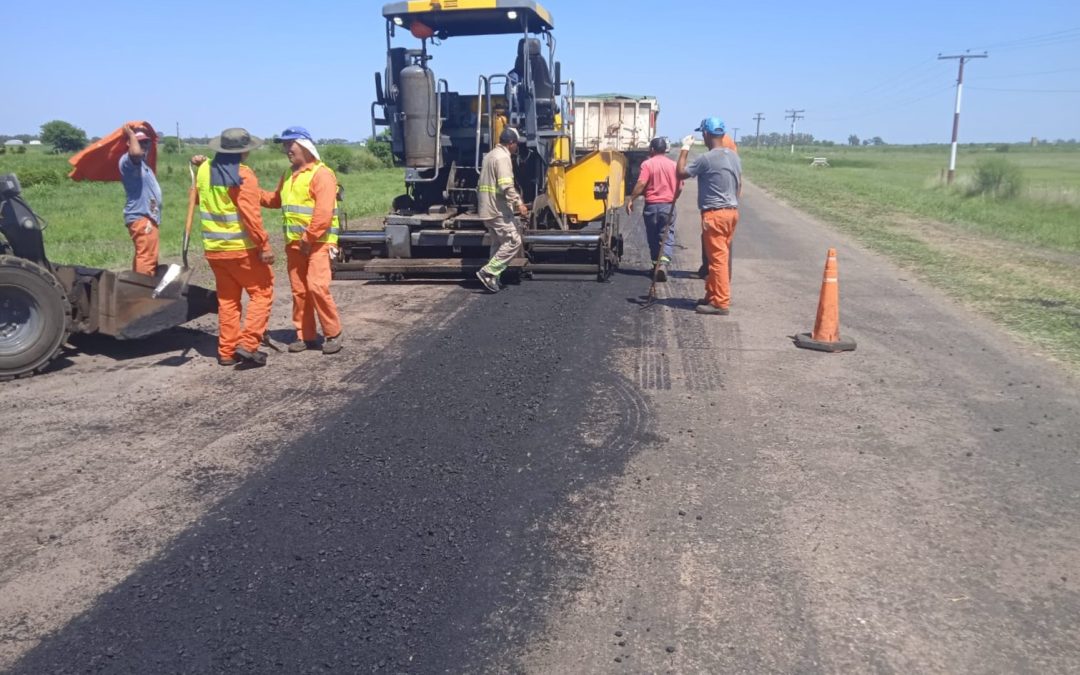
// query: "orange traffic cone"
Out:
[826,335]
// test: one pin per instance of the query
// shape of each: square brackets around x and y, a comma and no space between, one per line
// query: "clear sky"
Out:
[867,68]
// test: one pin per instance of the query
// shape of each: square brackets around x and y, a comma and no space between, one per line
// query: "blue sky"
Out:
[855,67]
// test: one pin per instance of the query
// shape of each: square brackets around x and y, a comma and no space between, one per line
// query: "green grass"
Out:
[86,224]
[1016,260]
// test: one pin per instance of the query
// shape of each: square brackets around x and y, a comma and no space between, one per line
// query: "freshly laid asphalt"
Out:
[386,536]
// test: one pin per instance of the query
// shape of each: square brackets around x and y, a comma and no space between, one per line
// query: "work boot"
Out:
[712,309]
[332,345]
[255,358]
[231,361]
[702,301]
[302,346]
[490,281]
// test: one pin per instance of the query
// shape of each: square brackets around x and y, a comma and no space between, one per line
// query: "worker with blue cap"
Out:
[307,197]
[719,175]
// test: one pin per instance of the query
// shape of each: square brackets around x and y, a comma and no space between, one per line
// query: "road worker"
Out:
[307,197]
[657,182]
[237,247]
[498,202]
[726,142]
[719,174]
[142,210]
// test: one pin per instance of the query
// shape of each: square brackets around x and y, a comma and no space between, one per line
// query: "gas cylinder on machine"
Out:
[420,108]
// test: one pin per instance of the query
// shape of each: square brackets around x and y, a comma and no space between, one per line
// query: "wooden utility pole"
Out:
[956,115]
[794,115]
[736,136]
[757,134]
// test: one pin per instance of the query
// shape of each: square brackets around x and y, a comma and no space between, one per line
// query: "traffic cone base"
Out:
[807,341]
[826,335]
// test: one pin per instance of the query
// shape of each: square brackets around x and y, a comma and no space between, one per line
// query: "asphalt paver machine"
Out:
[440,135]
[42,303]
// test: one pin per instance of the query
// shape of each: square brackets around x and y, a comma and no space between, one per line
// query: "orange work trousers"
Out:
[309,277]
[144,234]
[717,229]
[233,277]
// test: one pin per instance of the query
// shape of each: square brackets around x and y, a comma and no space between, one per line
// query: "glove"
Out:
[688,142]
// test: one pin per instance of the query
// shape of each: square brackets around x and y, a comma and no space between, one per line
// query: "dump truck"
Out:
[42,303]
[622,122]
[440,134]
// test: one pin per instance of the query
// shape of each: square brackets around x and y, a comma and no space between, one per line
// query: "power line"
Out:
[1041,72]
[956,116]
[1065,35]
[1030,91]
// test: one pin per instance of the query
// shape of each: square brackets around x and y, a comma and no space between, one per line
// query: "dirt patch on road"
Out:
[123,445]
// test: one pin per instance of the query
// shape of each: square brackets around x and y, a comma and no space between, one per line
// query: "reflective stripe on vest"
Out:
[221,228]
[298,206]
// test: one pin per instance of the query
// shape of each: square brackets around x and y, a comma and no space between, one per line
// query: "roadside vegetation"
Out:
[85,219]
[1004,239]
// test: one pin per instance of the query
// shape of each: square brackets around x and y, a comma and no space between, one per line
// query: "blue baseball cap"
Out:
[295,134]
[713,125]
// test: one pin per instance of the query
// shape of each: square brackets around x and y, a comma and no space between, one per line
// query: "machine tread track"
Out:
[8,262]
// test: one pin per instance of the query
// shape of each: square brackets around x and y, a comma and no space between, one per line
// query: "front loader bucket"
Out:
[122,304]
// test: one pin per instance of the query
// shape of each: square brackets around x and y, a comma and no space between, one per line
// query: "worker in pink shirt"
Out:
[657,182]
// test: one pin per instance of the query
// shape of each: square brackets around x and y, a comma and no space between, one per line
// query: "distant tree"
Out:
[877,140]
[331,141]
[380,147]
[63,136]
[852,140]
[170,144]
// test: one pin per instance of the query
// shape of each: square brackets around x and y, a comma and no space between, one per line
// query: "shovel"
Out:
[175,280]
[651,298]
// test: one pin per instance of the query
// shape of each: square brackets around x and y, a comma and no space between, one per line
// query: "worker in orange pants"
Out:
[142,210]
[307,197]
[237,247]
[719,176]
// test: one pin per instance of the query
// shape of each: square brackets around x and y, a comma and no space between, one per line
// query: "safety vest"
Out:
[297,205]
[221,228]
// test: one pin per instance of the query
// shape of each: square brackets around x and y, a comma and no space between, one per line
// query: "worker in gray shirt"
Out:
[719,176]
[498,201]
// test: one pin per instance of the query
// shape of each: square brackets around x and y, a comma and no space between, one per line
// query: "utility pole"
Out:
[793,116]
[956,115]
[178,143]
[736,130]
[757,134]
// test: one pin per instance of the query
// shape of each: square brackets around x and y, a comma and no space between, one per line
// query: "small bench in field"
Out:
[819,161]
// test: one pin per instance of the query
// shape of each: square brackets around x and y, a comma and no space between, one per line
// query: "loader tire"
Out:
[33,317]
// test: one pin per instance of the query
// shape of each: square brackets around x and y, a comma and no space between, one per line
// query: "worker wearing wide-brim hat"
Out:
[307,197]
[236,245]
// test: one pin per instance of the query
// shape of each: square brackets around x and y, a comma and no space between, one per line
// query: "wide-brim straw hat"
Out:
[235,141]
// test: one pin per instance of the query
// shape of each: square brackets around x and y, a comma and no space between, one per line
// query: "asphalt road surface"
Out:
[554,481]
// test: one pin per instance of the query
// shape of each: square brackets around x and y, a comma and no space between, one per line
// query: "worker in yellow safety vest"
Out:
[307,197]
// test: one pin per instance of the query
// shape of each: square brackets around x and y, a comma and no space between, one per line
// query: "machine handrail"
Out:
[482,86]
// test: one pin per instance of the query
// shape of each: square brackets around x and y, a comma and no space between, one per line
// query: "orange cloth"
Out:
[101,160]
[233,276]
[309,276]
[718,227]
[246,198]
[323,189]
[144,233]
[726,142]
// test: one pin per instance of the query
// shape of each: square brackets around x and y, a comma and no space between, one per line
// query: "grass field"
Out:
[86,224]
[1017,261]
